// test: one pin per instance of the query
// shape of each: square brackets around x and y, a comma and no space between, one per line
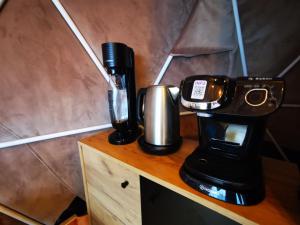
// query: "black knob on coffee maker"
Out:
[118,60]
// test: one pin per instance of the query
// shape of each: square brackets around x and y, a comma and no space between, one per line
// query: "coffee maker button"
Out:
[256,96]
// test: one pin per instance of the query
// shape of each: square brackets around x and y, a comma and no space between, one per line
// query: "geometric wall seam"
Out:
[80,38]
[52,136]
[99,66]
[239,37]
[50,170]
[36,155]
[104,74]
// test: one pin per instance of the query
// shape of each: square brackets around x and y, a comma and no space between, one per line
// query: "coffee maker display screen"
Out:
[227,132]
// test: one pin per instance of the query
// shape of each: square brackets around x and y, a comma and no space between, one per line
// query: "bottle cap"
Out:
[117,55]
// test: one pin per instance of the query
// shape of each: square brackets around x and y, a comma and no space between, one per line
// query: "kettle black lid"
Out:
[117,55]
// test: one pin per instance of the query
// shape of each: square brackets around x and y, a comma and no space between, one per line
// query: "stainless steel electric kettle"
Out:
[158,111]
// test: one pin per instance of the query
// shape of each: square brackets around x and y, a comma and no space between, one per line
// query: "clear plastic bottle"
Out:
[118,103]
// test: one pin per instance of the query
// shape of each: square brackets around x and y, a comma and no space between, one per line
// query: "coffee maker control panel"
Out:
[255,97]
[219,95]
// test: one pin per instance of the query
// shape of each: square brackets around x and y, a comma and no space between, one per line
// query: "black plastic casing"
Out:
[224,170]
[232,101]
[118,60]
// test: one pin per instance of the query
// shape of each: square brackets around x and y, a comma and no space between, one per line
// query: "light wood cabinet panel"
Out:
[99,215]
[113,190]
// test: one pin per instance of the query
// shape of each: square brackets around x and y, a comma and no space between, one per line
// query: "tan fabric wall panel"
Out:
[61,155]
[210,29]
[48,84]
[271,34]
[214,64]
[284,125]
[45,175]
[150,27]
[292,80]
[208,42]
[271,37]
[5,134]
[28,187]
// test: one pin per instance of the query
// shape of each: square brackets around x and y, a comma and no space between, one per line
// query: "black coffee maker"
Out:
[118,60]
[231,119]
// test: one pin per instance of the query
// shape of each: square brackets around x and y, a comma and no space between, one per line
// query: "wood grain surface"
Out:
[99,215]
[109,202]
[281,205]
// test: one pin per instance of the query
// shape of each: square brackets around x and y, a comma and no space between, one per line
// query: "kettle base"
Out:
[159,149]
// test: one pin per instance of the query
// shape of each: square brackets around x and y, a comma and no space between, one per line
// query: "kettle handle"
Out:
[140,101]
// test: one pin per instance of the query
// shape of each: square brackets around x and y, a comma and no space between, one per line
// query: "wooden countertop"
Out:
[281,205]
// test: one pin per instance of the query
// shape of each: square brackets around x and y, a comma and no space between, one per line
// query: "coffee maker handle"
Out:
[140,101]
